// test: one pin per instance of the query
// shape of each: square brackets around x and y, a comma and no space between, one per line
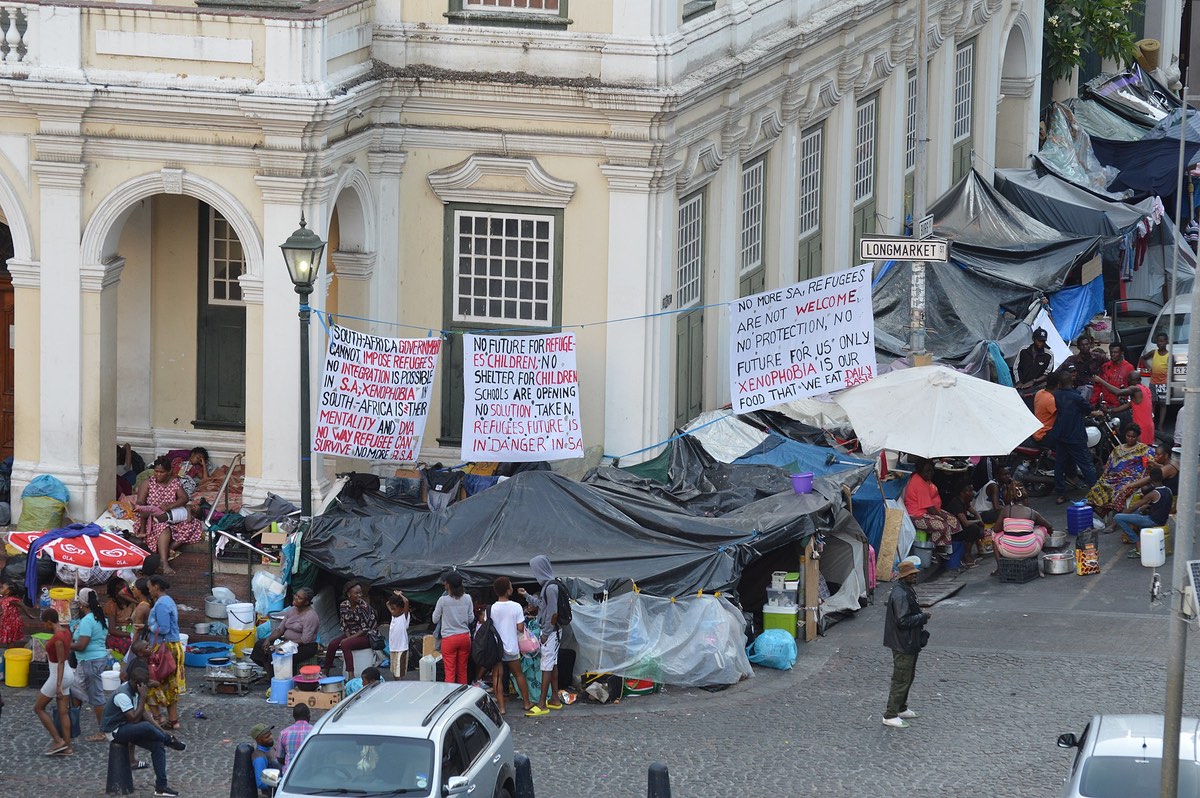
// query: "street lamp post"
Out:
[302,254]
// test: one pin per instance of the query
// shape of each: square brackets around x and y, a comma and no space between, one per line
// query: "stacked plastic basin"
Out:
[242,621]
[1079,518]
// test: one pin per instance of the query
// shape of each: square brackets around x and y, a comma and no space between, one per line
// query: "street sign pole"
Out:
[916,331]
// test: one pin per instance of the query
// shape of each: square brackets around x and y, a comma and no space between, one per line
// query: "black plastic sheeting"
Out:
[599,535]
[1149,166]
[1000,259]
[1133,95]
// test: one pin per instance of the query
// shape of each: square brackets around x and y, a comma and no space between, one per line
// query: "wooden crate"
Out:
[315,699]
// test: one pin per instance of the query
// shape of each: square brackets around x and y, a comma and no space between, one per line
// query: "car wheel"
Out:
[502,792]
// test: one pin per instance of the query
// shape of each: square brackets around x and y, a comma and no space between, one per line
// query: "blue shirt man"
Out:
[264,755]
[1070,440]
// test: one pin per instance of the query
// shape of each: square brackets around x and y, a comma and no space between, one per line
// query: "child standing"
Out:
[509,620]
[397,605]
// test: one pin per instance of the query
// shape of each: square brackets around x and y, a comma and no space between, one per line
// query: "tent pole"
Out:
[1183,115]
[916,339]
[1185,527]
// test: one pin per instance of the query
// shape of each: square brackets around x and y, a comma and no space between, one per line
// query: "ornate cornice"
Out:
[96,277]
[765,126]
[357,266]
[640,179]
[488,179]
[703,160]
[25,273]
[252,288]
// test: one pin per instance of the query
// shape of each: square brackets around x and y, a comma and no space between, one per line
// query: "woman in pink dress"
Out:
[165,522]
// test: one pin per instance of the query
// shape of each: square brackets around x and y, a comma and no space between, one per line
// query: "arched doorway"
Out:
[7,325]
[1016,135]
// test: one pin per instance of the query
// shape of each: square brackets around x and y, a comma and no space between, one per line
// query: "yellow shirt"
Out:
[1158,367]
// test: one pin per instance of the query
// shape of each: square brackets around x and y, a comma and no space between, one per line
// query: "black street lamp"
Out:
[302,254]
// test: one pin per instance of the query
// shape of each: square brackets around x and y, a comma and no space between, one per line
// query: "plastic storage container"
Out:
[60,600]
[781,618]
[16,667]
[781,598]
[241,617]
[1079,517]
[923,549]
[241,638]
[279,690]
[803,482]
[1154,546]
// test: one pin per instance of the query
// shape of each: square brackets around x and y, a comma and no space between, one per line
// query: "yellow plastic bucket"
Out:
[16,667]
[60,600]
[241,638]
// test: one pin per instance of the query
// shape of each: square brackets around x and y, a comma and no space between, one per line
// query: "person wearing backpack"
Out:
[509,619]
[551,619]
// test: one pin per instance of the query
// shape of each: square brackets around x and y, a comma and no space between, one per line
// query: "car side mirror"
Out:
[1067,741]
[456,786]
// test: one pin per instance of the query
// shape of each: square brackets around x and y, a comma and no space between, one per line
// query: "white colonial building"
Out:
[474,164]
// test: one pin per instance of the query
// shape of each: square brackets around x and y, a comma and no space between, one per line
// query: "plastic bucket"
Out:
[60,600]
[803,482]
[781,618]
[241,617]
[282,665]
[183,641]
[279,690]
[16,667]
[110,680]
[241,638]
[923,549]
[956,555]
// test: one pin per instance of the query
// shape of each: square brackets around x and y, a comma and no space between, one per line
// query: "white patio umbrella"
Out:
[934,411]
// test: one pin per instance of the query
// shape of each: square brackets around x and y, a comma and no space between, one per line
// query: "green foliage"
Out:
[1073,29]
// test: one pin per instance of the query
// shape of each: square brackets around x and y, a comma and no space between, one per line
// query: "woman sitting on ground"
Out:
[1020,531]
[1170,472]
[165,523]
[924,506]
[1126,466]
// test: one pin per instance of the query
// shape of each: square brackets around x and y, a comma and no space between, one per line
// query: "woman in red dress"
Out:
[165,522]
[12,627]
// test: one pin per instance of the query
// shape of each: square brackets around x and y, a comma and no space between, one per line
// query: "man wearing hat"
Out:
[1033,364]
[904,633]
[263,756]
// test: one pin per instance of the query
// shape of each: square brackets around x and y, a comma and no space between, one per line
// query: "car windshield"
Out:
[1183,326]
[361,764]
[1125,776]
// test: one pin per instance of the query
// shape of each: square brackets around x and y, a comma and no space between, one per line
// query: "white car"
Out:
[406,739]
[1120,756]
[1177,342]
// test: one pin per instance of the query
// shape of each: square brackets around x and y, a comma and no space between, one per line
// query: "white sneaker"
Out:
[909,714]
[898,723]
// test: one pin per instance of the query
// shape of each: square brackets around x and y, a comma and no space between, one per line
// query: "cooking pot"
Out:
[201,628]
[1056,540]
[1058,563]
[332,684]
[307,684]
[243,668]
[217,607]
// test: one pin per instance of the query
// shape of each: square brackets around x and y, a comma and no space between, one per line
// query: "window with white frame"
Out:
[226,261]
[504,267]
[864,150]
[910,125]
[535,6]
[689,252]
[810,183]
[754,178]
[964,86]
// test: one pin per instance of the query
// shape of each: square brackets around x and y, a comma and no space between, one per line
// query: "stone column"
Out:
[837,200]
[98,378]
[27,361]
[890,146]
[386,167]
[354,273]
[638,357]
[724,270]
[988,55]
[940,103]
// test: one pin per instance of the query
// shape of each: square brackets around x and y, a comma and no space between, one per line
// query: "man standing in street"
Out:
[1158,362]
[125,718]
[904,633]
[1070,440]
[1033,364]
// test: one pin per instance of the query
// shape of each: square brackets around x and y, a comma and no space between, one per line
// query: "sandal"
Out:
[536,712]
[1134,554]
[171,725]
[139,765]
[56,749]
[96,738]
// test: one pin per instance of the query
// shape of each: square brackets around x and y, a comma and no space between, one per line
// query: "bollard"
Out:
[242,785]
[120,775]
[524,777]
[658,782]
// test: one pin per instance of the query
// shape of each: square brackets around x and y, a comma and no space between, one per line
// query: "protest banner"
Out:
[521,398]
[813,337]
[375,395]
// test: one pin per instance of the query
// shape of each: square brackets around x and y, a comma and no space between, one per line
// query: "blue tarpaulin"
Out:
[1074,307]
[796,457]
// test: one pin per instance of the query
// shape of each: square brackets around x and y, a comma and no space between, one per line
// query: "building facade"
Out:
[617,167]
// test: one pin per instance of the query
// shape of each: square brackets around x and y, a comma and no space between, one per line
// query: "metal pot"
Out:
[217,607]
[1058,563]
[332,684]
[1056,540]
[243,668]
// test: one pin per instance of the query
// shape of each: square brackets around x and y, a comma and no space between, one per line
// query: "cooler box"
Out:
[781,618]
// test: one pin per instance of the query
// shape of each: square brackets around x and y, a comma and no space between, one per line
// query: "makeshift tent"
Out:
[1097,120]
[723,435]
[1133,95]
[1000,259]
[1067,152]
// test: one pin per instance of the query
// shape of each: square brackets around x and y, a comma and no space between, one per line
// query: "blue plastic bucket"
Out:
[279,691]
[802,483]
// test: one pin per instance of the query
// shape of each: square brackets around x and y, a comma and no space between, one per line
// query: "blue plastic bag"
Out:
[774,648]
[46,485]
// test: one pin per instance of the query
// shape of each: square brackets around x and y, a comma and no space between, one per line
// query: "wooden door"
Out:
[689,366]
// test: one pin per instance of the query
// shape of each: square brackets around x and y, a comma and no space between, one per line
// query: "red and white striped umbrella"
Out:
[105,550]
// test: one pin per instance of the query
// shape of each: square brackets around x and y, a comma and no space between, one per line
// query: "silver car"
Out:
[406,738]
[1120,756]
[1177,341]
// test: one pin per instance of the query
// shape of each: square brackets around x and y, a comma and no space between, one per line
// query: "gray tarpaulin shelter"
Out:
[1075,210]
[1001,259]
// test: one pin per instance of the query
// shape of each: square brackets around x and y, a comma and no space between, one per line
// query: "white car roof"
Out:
[1134,735]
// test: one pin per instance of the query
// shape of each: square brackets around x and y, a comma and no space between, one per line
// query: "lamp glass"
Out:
[302,254]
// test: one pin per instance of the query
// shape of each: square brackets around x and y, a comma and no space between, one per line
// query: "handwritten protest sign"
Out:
[521,398]
[375,395]
[813,337]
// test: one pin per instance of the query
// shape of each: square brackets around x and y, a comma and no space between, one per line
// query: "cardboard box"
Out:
[428,645]
[315,699]
[272,538]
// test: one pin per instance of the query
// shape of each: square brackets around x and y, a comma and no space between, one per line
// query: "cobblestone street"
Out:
[1008,668]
